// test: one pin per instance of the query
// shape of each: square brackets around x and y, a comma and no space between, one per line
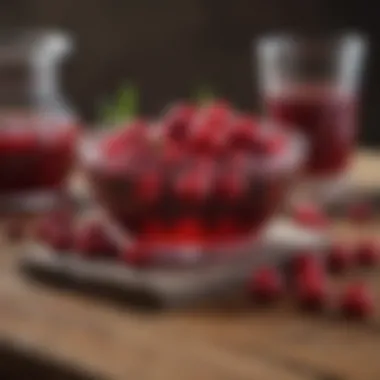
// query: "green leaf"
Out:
[127,103]
[204,94]
[123,108]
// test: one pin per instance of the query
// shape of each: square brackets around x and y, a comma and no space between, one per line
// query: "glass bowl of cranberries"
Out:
[199,180]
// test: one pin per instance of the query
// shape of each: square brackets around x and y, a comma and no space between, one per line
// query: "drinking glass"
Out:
[312,84]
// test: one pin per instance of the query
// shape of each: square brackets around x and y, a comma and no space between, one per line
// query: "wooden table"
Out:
[230,342]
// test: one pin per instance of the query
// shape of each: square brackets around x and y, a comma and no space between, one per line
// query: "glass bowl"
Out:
[179,199]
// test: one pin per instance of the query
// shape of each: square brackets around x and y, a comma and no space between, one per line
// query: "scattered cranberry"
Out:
[311,291]
[310,216]
[93,241]
[309,282]
[357,302]
[367,253]
[305,261]
[339,258]
[266,285]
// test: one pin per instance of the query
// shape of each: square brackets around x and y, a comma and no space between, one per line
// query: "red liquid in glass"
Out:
[329,121]
[33,157]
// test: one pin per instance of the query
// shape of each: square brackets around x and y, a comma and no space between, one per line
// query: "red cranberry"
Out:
[178,120]
[192,186]
[206,141]
[339,258]
[208,136]
[305,261]
[173,154]
[133,136]
[243,134]
[367,253]
[266,285]
[311,291]
[92,240]
[310,216]
[357,301]
[219,111]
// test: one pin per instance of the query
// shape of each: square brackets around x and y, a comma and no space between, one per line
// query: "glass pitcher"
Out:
[38,130]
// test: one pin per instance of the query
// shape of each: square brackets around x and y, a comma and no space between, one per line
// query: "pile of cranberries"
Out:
[307,281]
[200,174]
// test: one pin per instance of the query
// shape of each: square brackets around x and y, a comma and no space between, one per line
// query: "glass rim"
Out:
[347,36]
[93,159]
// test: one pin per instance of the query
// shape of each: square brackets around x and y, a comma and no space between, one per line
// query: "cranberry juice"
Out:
[329,121]
[34,157]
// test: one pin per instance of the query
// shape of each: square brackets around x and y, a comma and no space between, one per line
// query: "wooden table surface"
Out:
[230,342]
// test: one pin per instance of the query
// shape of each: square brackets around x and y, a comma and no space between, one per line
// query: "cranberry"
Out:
[367,253]
[266,285]
[311,291]
[218,111]
[357,301]
[207,141]
[92,241]
[339,258]
[134,136]
[243,134]
[310,216]
[305,261]
[178,120]
[173,154]
[193,186]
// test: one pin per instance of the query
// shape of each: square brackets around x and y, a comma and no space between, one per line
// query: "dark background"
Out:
[170,47]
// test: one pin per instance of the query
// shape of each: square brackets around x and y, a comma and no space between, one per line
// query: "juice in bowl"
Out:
[38,132]
[313,85]
[193,185]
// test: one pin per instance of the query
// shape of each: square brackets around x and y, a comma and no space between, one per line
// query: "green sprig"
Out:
[204,94]
[123,107]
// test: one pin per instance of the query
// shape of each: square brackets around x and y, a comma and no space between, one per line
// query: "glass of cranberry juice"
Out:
[313,84]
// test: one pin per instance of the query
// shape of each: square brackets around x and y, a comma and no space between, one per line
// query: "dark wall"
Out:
[169,47]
